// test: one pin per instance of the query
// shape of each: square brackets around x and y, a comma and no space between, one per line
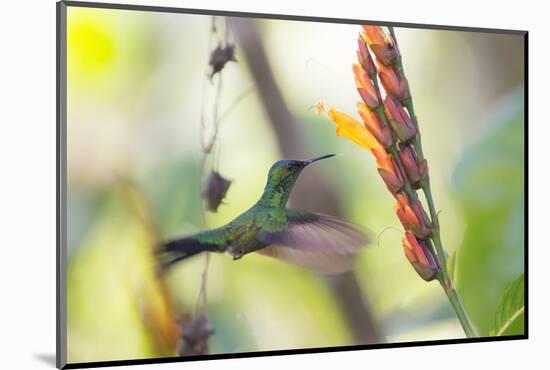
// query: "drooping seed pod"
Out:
[195,333]
[220,56]
[215,190]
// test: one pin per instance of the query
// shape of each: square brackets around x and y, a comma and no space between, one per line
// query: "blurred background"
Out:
[135,92]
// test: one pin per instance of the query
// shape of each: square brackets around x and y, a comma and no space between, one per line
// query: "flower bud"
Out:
[375,127]
[389,171]
[365,87]
[416,170]
[364,57]
[381,44]
[395,85]
[420,256]
[412,216]
[400,122]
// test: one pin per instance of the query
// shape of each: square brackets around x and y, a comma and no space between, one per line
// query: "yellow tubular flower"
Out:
[352,129]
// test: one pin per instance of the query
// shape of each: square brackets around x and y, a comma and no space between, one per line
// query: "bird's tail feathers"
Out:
[176,250]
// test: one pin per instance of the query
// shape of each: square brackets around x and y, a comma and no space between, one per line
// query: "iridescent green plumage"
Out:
[306,239]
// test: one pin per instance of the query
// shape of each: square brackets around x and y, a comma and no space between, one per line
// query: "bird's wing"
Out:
[320,262]
[314,240]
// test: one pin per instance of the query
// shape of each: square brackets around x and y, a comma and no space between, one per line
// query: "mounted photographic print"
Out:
[235,184]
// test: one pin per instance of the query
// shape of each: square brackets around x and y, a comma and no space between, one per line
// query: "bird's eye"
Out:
[289,166]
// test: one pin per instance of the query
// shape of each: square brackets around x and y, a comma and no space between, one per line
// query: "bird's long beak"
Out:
[309,161]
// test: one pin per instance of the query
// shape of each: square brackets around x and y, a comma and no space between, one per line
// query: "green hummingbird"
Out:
[311,240]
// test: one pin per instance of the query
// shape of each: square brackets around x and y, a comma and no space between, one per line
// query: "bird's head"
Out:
[284,173]
[288,168]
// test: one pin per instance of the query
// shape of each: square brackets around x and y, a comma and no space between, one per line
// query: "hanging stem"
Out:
[206,151]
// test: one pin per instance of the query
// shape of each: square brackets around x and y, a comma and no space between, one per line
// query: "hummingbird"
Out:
[310,240]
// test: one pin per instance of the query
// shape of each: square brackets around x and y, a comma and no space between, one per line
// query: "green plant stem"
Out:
[426,188]
[458,307]
[445,279]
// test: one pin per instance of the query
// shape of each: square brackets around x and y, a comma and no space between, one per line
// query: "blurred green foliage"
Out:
[104,278]
[510,312]
[174,194]
[489,182]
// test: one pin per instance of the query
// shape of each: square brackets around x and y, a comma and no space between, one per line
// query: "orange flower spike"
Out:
[394,85]
[400,122]
[365,87]
[352,129]
[389,171]
[420,257]
[364,57]
[373,124]
[381,44]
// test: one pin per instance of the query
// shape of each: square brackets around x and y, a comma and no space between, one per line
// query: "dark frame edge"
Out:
[61,250]
[526,181]
[287,17]
[224,356]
